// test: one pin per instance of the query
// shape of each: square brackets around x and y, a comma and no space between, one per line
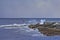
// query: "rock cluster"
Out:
[48,28]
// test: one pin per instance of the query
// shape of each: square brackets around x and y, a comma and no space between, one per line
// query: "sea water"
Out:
[23,32]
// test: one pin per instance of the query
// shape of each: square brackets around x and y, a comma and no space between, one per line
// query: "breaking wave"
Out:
[22,28]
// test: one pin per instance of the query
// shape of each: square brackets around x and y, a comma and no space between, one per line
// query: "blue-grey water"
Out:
[23,33]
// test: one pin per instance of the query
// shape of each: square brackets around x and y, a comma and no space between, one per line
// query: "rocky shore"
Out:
[48,28]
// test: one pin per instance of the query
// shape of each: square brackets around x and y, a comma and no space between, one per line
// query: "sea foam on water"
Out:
[42,21]
[24,28]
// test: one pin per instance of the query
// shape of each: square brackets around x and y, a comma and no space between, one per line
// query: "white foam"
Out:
[29,30]
[33,22]
[23,28]
[41,35]
[35,35]
[10,27]
[42,21]
[15,25]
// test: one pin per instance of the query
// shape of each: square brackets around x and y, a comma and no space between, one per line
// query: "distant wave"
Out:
[20,25]
[16,25]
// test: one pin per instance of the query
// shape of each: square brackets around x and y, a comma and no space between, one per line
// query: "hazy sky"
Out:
[29,8]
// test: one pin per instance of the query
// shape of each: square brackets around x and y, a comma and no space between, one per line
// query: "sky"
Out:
[29,8]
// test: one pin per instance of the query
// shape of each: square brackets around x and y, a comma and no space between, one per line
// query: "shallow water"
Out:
[23,33]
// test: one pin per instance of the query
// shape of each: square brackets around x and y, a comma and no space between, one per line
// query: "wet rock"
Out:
[48,28]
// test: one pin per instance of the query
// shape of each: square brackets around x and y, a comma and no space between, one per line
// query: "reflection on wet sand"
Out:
[47,28]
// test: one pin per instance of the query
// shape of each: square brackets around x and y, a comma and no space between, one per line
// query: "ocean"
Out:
[23,33]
